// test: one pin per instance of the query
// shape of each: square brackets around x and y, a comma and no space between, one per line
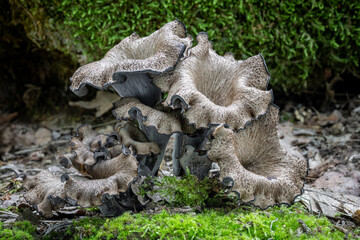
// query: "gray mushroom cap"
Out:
[108,175]
[263,171]
[213,90]
[126,66]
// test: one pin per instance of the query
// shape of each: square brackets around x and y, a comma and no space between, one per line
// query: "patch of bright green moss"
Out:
[20,230]
[275,223]
[185,191]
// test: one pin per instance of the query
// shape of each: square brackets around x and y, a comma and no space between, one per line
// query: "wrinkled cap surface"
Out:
[264,173]
[156,53]
[213,89]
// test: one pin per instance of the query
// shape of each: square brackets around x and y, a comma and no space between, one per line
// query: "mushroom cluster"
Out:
[218,110]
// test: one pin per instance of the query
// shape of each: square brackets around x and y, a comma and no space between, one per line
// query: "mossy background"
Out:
[304,43]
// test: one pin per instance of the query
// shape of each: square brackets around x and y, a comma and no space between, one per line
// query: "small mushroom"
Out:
[264,173]
[111,176]
[131,136]
[157,126]
[127,65]
[49,192]
[213,90]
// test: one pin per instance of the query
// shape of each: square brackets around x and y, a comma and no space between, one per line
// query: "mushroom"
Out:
[213,90]
[189,152]
[45,191]
[112,177]
[263,171]
[104,178]
[198,165]
[219,110]
[125,67]
[157,125]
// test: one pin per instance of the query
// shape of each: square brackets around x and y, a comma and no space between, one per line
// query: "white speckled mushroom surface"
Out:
[213,89]
[263,172]
[156,53]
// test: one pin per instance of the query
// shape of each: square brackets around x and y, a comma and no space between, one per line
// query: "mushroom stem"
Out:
[177,151]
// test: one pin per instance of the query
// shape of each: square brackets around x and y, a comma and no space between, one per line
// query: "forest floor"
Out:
[330,141]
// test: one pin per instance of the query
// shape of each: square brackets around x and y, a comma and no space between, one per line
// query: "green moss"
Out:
[20,230]
[242,224]
[299,40]
[184,191]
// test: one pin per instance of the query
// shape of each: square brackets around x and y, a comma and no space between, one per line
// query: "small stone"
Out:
[355,174]
[55,135]
[56,169]
[312,152]
[42,136]
[300,141]
[36,156]
[340,140]
[355,111]
[356,217]
[338,183]
[303,132]
[315,161]
[337,129]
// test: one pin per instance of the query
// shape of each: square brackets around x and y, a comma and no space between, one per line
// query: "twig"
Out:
[40,147]
[341,229]
[27,150]
[13,215]
[272,223]
[12,168]
[57,226]
[104,124]
[304,227]
[93,126]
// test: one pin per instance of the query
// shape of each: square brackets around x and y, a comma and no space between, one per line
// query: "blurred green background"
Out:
[305,43]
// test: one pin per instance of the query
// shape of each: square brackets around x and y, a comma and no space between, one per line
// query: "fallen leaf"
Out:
[103,102]
[329,203]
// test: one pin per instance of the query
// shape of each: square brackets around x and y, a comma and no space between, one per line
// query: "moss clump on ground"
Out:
[20,231]
[301,41]
[180,191]
[276,223]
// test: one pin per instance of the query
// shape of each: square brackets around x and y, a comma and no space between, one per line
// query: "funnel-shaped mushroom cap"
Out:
[212,89]
[156,53]
[48,191]
[101,156]
[45,191]
[263,172]
[116,175]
